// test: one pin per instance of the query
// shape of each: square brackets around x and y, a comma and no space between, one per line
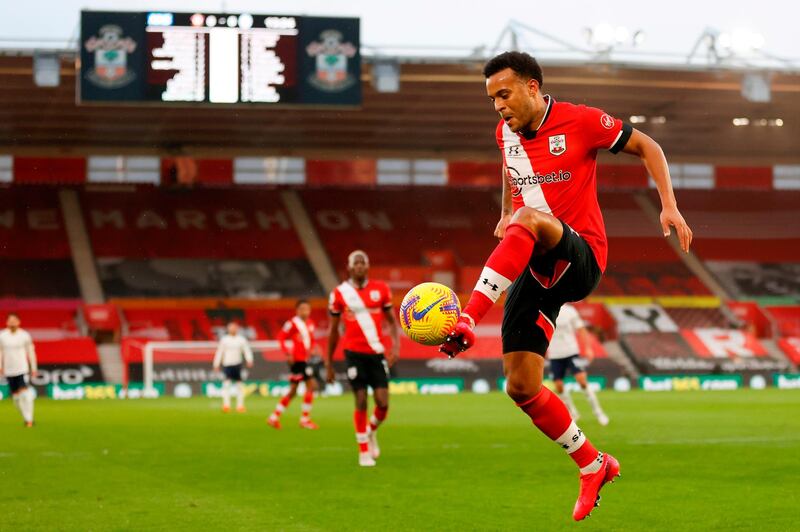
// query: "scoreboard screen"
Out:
[218,59]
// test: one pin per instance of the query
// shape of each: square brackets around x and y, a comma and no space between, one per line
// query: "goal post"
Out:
[198,352]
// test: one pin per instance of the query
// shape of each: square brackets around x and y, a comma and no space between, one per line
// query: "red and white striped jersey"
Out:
[301,333]
[362,314]
[553,168]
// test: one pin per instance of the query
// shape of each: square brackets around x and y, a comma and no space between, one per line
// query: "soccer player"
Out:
[300,330]
[363,304]
[17,361]
[565,356]
[553,243]
[232,346]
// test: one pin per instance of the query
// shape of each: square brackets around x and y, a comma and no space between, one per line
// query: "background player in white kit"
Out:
[564,354]
[17,361]
[232,347]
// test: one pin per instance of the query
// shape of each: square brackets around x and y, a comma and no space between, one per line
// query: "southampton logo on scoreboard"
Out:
[111,51]
[332,54]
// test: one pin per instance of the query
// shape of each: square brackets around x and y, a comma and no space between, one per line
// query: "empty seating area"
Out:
[733,225]
[189,224]
[699,351]
[34,250]
[697,318]
[195,243]
[400,227]
[640,261]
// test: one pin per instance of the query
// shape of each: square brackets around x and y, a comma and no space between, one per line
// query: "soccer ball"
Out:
[428,312]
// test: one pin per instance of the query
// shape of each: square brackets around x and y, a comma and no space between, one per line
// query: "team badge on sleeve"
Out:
[558,144]
[607,121]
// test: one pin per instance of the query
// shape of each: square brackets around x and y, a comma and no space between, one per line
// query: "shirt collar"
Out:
[356,285]
[532,134]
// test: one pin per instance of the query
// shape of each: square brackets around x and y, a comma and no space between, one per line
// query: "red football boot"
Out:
[308,424]
[589,496]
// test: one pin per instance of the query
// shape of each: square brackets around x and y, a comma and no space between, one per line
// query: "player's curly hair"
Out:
[525,66]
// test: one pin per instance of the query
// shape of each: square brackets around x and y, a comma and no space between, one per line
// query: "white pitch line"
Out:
[735,439]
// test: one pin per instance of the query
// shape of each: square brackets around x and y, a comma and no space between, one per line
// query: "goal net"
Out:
[185,368]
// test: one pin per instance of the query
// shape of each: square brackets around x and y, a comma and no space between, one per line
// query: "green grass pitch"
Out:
[690,461]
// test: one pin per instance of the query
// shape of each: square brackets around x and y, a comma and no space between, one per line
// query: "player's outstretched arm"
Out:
[654,160]
[333,340]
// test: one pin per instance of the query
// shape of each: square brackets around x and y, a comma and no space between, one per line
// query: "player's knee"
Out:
[529,217]
[521,389]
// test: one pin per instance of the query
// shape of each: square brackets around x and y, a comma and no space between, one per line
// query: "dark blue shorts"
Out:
[233,373]
[572,365]
[17,383]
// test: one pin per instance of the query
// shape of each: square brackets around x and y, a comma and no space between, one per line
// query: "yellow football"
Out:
[428,312]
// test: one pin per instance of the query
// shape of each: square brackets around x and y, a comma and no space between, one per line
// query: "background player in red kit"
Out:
[300,330]
[553,243]
[363,304]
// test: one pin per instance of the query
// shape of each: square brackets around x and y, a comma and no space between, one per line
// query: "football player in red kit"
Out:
[300,330]
[363,304]
[553,244]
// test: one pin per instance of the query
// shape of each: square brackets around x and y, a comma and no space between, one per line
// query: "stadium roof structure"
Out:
[440,110]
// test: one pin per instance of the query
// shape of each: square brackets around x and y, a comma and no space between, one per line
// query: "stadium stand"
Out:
[640,262]
[414,220]
[194,243]
[786,319]
[695,318]
[758,255]
[33,245]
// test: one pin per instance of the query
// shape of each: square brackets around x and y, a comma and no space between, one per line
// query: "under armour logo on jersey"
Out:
[513,150]
[494,286]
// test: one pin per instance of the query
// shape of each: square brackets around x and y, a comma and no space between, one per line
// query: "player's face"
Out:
[12,322]
[359,269]
[513,98]
[233,329]
[303,311]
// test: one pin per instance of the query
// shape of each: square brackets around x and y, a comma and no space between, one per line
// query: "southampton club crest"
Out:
[558,144]
[332,55]
[111,51]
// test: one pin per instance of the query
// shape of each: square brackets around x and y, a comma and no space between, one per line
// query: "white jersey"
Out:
[564,342]
[17,356]
[230,350]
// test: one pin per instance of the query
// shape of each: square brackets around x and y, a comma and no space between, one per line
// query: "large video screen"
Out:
[218,59]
